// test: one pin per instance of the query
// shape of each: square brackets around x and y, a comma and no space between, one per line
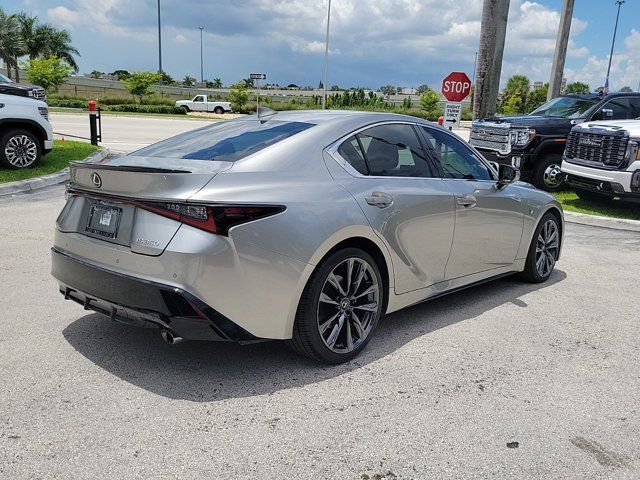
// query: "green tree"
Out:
[577,87]
[422,89]
[48,72]
[188,81]
[167,79]
[96,74]
[626,90]
[388,90]
[121,74]
[515,94]
[335,88]
[238,97]
[11,43]
[537,97]
[138,83]
[429,100]
[217,83]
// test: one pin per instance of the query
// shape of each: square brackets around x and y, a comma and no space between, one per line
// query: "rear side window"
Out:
[225,141]
[390,150]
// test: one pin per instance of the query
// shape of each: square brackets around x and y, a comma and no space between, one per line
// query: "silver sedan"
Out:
[306,226]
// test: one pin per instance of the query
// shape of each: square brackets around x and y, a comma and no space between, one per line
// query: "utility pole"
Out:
[201,63]
[613,42]
[560,54]
[326,60]
[159,44]
[490,51]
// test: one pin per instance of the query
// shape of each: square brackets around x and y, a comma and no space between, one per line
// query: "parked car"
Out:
[535,142]
[9,87]
[602,160]
[25,132]
[201,103]
[302,226]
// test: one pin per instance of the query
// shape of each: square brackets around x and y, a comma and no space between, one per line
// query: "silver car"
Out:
[306,226]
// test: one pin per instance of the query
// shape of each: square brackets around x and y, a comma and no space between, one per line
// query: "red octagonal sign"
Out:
[456,86]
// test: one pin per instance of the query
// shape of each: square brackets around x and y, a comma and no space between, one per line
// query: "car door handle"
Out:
[467,201]
[379,199]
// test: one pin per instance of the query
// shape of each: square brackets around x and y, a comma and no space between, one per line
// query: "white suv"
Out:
[25,131]
[602,160]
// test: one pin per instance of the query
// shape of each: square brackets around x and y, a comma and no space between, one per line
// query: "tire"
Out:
[185,108]
[19,149]
[547,175]
[532,273]
[590,196]
[218,110]
[337,312]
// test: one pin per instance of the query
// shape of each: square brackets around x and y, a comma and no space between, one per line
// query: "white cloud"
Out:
[64,16]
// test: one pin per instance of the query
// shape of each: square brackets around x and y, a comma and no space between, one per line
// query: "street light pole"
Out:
[201,63]
[159,44]
[326,60]
[613,42]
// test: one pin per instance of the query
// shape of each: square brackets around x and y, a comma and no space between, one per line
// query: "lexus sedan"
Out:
[306,226]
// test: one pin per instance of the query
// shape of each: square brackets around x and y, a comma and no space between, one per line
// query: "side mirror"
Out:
[507,174]
[607,113]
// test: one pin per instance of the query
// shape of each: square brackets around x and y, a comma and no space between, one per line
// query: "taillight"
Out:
[213,219]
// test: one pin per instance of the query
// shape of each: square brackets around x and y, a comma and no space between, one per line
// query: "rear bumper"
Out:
[140,302]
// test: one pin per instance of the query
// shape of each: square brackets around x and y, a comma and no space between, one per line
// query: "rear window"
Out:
[225,142]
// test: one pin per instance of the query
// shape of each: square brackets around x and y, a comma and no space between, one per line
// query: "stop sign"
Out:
[456,86]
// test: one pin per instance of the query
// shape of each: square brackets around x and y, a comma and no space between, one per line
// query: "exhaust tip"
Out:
[169,338]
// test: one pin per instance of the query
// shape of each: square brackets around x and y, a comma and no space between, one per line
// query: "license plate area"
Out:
[104,220]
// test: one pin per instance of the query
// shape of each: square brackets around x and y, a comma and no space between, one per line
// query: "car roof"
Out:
[602,96]
[320,117]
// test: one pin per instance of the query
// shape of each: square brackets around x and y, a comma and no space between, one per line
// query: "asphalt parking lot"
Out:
[440,392]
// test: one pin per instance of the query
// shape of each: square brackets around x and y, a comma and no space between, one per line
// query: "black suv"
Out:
[8,87]
[535,142]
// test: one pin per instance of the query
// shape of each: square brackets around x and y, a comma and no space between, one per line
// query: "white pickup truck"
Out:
[201,103]
[602,160]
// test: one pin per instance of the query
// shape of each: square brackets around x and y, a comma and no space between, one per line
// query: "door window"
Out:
[456,159]
[634,104]
[620,107]
[351,151]
[199,98]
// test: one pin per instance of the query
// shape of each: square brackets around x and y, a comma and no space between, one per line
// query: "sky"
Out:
[373,42]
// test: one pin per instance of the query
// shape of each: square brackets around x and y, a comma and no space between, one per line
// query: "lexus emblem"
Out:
[97,181]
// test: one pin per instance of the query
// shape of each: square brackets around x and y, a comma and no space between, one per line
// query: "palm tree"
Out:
[217,82]
[44,40]
[11,43]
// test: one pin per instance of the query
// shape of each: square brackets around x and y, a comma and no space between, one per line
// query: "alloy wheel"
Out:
[349,305]
[552,176]
[21,151]
[547,248]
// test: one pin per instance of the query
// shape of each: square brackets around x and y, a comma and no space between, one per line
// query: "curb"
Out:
[604,222]
[31,184]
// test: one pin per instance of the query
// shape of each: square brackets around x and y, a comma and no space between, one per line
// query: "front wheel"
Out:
[19,149]
[339,308]
[185,108]
[543,251]
[547,175]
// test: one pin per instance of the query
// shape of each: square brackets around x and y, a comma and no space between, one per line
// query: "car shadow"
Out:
[206,371]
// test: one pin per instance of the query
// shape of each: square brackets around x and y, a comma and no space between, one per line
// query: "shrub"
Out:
[67,102]
[137,108]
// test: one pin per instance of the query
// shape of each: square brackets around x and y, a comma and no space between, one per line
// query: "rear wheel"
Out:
[218,110]
[340,307]
[547,175]
[185,108]
[590,196]
[19,149]
[543,251]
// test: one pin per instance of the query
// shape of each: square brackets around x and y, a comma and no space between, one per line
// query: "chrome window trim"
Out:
[332,150]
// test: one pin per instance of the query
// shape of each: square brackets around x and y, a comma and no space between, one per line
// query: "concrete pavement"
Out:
[440,392]
[123,133]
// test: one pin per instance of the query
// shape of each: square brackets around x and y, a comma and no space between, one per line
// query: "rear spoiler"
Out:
[125,168]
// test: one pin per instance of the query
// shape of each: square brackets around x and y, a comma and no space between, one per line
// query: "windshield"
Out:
[225,141]
[565,107]
[4,79]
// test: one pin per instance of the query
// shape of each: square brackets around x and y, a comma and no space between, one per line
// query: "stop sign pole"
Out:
[455,87]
